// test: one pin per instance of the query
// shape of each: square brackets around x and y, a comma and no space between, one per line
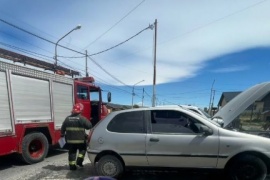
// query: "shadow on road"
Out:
[161,175]
[12,160]
[170,176]
[9,161]
[63,171]
[56,168]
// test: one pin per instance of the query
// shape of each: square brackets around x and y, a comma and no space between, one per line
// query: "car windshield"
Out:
[213,122]
[205,113]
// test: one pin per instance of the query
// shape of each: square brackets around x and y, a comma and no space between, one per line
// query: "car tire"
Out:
[248,167]
[35,148]
[109,165]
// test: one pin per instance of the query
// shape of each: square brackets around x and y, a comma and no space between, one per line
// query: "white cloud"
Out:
[230,69]
[189,34]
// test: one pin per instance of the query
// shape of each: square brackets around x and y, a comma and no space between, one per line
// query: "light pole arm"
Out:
[78,27]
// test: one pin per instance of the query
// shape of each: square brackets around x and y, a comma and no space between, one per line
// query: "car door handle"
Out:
[154,139]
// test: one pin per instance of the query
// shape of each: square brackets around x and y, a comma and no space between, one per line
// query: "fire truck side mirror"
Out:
[109,96]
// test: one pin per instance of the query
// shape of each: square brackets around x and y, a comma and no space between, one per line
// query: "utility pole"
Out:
[210,102]
[142,96]
[86,68]
[154,79]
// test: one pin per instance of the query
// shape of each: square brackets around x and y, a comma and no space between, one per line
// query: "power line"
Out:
[72,57]
[122,90]
[23,50]
[27,52]
[147,94]
[28,32]
[25,42]
[49,41]
[114,24]
[149,27]
[202,26]
[106,71]
[214,21]
[42,55]
[35,54]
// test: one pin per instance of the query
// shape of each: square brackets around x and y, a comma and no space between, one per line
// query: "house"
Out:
[226,97]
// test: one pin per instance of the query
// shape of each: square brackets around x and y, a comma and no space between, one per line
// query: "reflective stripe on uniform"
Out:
[75,141]
[80,155]
[75,129]
[72,162]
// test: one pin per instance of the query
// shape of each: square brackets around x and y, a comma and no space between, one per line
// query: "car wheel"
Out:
[109,165]
[248,167]
[35,148]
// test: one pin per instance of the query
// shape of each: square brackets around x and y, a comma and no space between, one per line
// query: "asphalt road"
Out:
[55,166]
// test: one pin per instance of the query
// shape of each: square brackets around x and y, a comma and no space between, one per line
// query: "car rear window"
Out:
[127,122]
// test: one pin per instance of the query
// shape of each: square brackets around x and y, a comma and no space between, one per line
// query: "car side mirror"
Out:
[206,130]
[109,96]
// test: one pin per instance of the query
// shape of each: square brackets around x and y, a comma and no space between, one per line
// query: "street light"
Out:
[77,27]
[133,94]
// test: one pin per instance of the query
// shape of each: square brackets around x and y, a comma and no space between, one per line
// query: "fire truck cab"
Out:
[91,97]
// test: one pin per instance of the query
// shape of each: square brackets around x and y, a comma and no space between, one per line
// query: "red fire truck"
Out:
[34,104]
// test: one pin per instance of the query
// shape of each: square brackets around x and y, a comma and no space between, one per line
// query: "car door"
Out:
[127,136]
[172,141]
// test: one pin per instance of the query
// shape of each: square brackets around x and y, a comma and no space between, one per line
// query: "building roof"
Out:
[228,96]
[118,106]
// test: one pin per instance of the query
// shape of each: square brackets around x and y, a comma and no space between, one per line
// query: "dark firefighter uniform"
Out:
[73,128]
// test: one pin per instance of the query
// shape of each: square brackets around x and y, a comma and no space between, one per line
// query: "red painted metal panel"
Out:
[8,144]
[12,143]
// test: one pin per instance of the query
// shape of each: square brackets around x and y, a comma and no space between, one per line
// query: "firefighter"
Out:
[73,128]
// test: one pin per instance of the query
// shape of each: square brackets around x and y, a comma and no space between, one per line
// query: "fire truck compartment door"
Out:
[5,116]
[62,102]
[31,99]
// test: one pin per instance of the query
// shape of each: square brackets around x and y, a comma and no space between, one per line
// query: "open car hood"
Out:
[243,100]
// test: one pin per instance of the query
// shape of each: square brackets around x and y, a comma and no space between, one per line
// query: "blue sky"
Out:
[200,44]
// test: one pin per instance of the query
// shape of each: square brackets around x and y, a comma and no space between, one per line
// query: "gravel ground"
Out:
[55,166]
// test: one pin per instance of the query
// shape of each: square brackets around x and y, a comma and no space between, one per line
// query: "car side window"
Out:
[128,122]
[170,121]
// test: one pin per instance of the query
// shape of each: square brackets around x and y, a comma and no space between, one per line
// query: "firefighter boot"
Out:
[72,167]
[80,161]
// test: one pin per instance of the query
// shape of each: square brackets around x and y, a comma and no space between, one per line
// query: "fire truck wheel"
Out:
[35,148]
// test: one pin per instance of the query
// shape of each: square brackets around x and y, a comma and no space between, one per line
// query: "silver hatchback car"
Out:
[171,137]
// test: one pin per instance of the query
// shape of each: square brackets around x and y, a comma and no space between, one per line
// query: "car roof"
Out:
[176,107]
[190,107]
[150,108]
